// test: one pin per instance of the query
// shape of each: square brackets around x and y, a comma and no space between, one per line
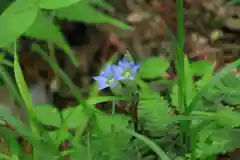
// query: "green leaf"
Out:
[105,122]
[22,86]
[207,75]
[82,11]
[190,86]
[64,136]
[161,154]
[15,20]
[14,148]
[227,117]
[55,4]
[200,67]
[48,115]
[103,4]
[153,67]
[215,80]
[214,140]
[4,156]
[229,88]
[4,5]
[233,2]
[100,99]
[75,117]
[153,109]
[51,33]
[6,115]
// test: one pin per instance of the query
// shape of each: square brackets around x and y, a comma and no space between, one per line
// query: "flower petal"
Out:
[118,71]
[103,86]
[114,84]
[124,62]
[102,82]
[134,69]
[108,72]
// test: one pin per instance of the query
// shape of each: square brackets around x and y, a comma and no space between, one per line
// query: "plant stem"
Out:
[185,126]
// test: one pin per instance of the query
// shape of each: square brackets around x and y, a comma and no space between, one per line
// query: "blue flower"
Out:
[127,70]
[108,78]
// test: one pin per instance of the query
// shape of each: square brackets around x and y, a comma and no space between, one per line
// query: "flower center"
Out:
[127,74]
[110,81]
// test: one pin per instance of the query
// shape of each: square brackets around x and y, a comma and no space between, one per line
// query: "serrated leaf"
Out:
[227,117]
[53,117]
[215,80]
[216,140]
[15,20]
[82,11]
[153,109]
[51,33]
[229,86]
[55,4]
[153,67]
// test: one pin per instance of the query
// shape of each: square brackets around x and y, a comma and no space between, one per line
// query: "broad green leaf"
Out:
[80,151]
[104,122]
[51,33]
[64,136]
[4,5]
[206,75]
[75,117]
[55,4]
[82,11]
[200,67]
[15,20]
[153,67]
[4,156]
[48,115]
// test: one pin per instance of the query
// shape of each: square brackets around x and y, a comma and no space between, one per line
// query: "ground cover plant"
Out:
[195,117]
